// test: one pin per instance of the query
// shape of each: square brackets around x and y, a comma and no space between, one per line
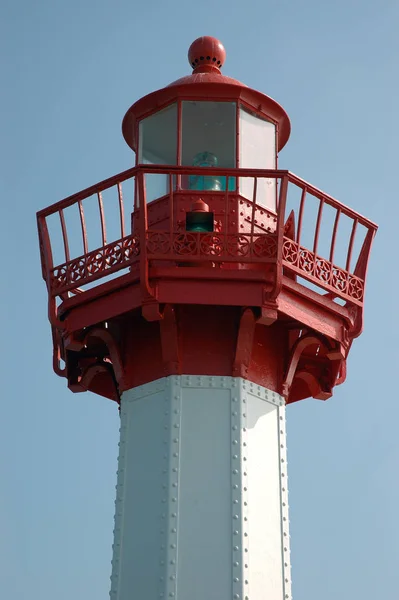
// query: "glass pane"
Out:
[208,140]
[158,145]
[158,137]
[258,151]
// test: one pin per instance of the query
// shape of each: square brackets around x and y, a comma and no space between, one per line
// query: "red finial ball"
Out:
[206,52]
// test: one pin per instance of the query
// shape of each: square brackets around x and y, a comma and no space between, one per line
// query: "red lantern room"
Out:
[212,266]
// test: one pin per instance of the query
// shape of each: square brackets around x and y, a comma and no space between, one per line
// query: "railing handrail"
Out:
[218,171]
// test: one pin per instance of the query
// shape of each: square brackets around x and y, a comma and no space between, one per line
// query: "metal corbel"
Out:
[244,345]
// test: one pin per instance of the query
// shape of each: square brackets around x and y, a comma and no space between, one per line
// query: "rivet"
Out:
[235,501]
[177,425]
[236,564]
[174,530]
[235,516]
[235,442]
[173,577]
[174,499]
[236,532]
[175,454]
[174,484]
[175,440]
[234,413]
[235,455]
[235,486]
[236,580]
[235,471]
[234,427]
[174,515]
[173,562]
[173,546]
[236,548]
[234,399]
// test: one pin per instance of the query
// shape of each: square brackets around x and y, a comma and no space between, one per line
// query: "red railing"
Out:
[264,236]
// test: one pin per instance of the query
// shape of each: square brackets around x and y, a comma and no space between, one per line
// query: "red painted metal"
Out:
[240,300]
[206,53]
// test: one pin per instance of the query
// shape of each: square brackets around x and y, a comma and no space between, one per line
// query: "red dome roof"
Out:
[206,55]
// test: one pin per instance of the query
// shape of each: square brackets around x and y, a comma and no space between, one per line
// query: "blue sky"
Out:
[69,72]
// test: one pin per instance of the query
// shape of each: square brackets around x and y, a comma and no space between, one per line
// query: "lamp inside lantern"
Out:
[199,219]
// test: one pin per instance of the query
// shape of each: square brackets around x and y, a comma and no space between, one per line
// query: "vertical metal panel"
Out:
[264,513]
[140,490]
[204,561]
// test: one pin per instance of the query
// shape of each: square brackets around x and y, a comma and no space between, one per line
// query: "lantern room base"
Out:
[201,506]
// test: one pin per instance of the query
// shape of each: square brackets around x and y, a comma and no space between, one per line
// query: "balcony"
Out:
[277,242]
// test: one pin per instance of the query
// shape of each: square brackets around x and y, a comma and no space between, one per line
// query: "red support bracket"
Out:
[244,343]
[170,341]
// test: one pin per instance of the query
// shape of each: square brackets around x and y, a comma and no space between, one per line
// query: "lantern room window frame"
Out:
[179,101]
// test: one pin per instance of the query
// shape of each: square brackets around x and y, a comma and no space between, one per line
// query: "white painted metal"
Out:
[201,506]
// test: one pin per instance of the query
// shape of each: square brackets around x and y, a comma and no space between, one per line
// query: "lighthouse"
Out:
[203,290]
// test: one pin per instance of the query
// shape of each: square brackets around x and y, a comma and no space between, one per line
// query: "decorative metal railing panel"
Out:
[217,247]
[322,272]
[94,265]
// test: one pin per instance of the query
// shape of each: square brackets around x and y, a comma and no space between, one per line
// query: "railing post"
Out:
[142,216]
[150,307]
[280,235]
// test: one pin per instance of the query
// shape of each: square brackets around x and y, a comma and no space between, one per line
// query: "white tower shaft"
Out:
[201,506]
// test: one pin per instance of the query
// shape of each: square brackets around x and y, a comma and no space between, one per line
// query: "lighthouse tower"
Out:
[203,290]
